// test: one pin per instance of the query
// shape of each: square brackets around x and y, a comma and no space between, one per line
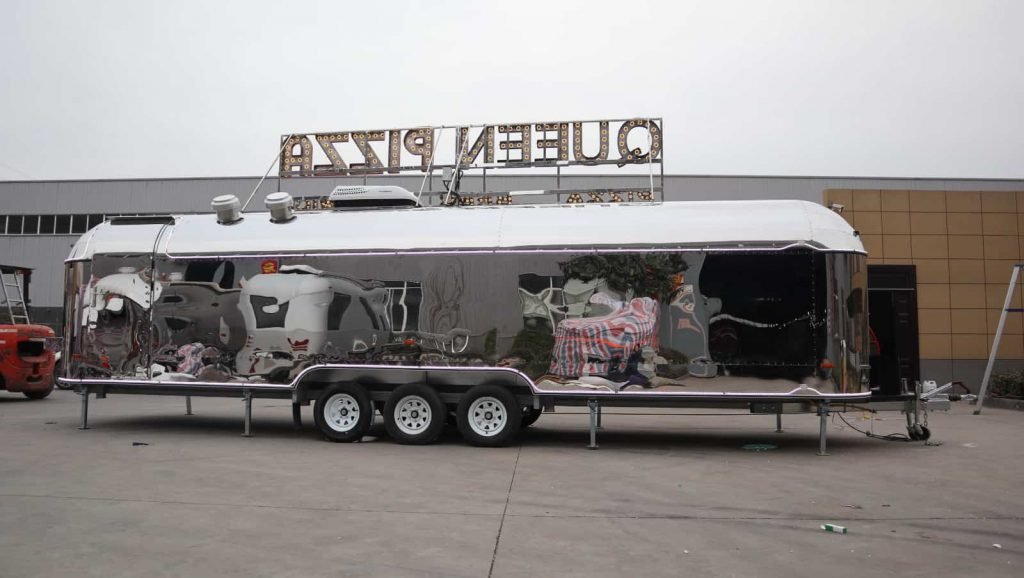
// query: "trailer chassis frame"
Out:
[913,405]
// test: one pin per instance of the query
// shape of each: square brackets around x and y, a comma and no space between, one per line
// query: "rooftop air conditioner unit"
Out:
[371,197]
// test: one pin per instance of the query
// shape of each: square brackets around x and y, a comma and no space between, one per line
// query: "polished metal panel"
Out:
[728,323]
[658,226]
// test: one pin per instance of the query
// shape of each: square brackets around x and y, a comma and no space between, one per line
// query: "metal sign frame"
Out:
[561,145]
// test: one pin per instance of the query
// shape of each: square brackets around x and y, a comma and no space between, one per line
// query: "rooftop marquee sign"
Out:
[564,143]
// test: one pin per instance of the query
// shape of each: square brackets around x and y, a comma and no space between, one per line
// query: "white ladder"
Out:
[999,335]
[14,296]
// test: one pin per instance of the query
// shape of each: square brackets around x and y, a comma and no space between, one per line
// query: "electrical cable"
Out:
[961,384]
[650,159]
[893,437]
[457,174]
[277,157]
[430,160]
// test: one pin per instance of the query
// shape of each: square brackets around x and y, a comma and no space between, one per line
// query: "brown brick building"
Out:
[963,245]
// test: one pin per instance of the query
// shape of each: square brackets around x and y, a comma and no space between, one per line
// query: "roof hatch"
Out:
[343,197]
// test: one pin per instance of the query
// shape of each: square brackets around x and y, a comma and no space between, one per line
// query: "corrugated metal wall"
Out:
[46,254]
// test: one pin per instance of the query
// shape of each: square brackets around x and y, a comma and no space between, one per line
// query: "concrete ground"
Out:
[151,492]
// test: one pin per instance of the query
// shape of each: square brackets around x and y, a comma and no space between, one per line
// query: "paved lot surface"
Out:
[666,495]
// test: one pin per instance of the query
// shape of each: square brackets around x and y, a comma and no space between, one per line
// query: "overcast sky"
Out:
[110,89]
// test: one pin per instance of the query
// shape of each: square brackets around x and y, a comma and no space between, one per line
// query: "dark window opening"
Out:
[31,348]
[78,223]
[220,272]
[264,318]
[141,220]
[14,224]
[201,271]
[63,225]
[770,315]
[337,310]
[30,225]
[46,224]
[224,276]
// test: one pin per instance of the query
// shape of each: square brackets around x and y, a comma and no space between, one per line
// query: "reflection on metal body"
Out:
[188,312]
[441,375]
[759,307]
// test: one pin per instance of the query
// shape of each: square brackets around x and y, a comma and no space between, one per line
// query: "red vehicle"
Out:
[26,351]
[26,363]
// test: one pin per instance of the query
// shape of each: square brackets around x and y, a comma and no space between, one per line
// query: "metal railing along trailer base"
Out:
[911,404]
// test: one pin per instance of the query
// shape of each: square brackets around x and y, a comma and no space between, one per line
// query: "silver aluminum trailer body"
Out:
[483,312]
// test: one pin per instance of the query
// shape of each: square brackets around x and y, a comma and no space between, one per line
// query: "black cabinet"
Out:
[892,314]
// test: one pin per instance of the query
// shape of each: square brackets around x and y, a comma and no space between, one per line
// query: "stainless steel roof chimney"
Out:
[228,209]
[280,207]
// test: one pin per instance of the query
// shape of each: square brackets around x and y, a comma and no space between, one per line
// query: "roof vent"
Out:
[280,207]
[369,197]
[228,209]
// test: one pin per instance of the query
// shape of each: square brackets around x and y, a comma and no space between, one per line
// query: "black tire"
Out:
[919,433]
[414,414]
[489,416]
[530,416]
[37,394]
[334,409]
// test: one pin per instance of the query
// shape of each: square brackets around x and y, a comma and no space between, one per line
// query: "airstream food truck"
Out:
[487,315]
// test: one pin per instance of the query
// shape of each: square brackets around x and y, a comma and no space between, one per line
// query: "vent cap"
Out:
[228,209]
[280,207]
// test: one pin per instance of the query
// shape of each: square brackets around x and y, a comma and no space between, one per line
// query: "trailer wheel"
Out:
[343,412]
[414,414]
[918,432]
[530,416]
[489,415]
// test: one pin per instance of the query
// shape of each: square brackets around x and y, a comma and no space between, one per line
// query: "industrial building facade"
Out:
[961,237]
